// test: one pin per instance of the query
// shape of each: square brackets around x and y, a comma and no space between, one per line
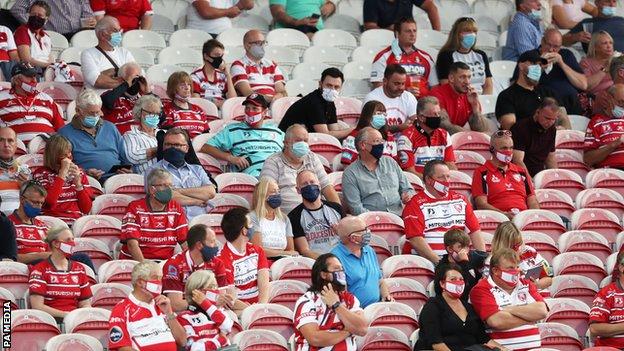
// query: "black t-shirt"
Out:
[439,324]
[537,143]
[385,13]
[8,247]
[310,110]
[520,101]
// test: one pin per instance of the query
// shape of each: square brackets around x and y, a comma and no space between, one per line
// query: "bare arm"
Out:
[280,91]
[448,125]
[231,91]
[532,312]
[322,338]
[477,122]
[332,130]
[106,80]
[279,15]
[440,347]
[178,303]
[532,202]
[215,152]
[561,18]
[577,79]
[135,250]
[23,52]
[179,334]
[432,12]
[423,249]
[606,330]
[503,320]
[518,158]
[33,256]
[330,194]
[146,22]
[186,200]
[482,204]
[370,25]
[245,4]
[243,88]
[595,79]
[206,11]
[507,121]
[301,245]
[551,161]
[593,157]
[37,303]
[354,322]
[263,286]
[477,240]
[488,86]
[383,289]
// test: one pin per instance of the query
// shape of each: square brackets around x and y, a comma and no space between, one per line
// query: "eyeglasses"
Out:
[501,133]
[361,231]
[150,112]
[29,184]
[259,42]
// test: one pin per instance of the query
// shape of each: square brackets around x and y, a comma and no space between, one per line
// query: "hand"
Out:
[553,57]
[291,253]
[583,37]
[233,11]
[90,22]
[406,196]
[509,215]
[415,90]
[124,171]
[329,296]
[76,175]
[65,168]
[473,96]
[463,255]
[198,297]
[240,162]
[95,173]
[389,298]
[306,21]
[225,300]
[163,302]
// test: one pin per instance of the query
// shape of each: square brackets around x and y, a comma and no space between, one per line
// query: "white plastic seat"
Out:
[600,198]
[143,57]
[571,312]
[335,37]
[496,9]
[128,184]
[84,39]
[357,70]
[251,21]
[309,70]
[14,276]
[579,122]
[232,36]
[286,292]
[52,222]
[468,161]
[352,8]
[210,109]
[453,9]
[294,87]
[92,321]
[174,9]
[222,202]
[111,204]
[345,22]
[348,109]
[376,37]
[268,316]
[365,53]
[502,68]
[597,219]
[162,25]
[409,266]
[71,54]
[487,42]
[407,291]
[260,339]
[431,38]
[147,39]
[561,179]
[73,342]
[606,178]
[59,42]
[191,38]
[118,271]
[324,145]
[186,58]
[296,268]
[487,24]
[555,200]
[473,141]
[31,329]
[160,73]
[489,219]
[97,250]
[585,241]
[558,335]
[356,88]
[212,221]
[330,55]
[392,314]
[285,57]
[385,224]
[574,286]
[291,38]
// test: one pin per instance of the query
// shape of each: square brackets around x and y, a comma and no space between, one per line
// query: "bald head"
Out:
[551,41]
[348,226]
[107,23]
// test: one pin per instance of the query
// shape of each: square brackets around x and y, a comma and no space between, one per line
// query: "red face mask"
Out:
[510,276]
[67,248]
[454,288]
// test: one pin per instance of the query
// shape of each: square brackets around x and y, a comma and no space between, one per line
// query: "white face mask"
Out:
[153,288]
[548,68]
[504,158]
[253,119]
[330,94]
[66,248]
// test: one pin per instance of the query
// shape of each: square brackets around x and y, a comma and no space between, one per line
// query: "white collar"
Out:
[234,250]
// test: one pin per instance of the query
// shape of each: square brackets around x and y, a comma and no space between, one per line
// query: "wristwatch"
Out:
[336,305]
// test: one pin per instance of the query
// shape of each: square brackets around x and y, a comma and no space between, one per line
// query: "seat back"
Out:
[31,329]
[107,295]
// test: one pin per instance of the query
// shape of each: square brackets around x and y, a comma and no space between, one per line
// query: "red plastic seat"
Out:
[585,241]
[90,321]
[571,160]
[556,201]
[128,184]
[560,179]
[107,295]
[581,263]
[574,286]
[260,340]
[392,314]
[348,110]
[324,145]
[571,312]
[114,205]
[409,266]
[286,292]
[31,329]
[599,220]
[387,225]
[542,221]
[472,141]
[296,268]
[560,337]
[380,245]
[544,244]
[489,219]
[609,178]
[407,291]
[118,271]
[222,203]
[240,184]
[104,228]
[601,198]
[383,339]
[467,161]
[213,221]
[268,316]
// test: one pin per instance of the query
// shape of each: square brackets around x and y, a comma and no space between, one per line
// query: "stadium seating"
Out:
[296,268]
[544,244]
[286,292]
[212,221]
[394,314]
[132,185]
[467,161]
[380,245]
[585,241]
[582,263]
[409,266]
[387,225]
[574,286]
[268,316]
[489,219]
[561,179]
[97,250]
[542,221]
[107,295]
[111,204]
[472,141]
[571,312]
[221,203]
[117,271]
[260,339]
[606,178]
[31,329]
[600,220]
[556,201]
[559,336]
[407,291]
[74,342]
[601,198]
[236,183]
[383,338]
[90,321]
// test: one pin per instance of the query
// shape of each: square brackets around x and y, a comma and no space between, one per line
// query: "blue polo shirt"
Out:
[363,273]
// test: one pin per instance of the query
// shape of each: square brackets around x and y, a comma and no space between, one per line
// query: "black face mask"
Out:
[433,122]
[174,156]
[134,88]
[36,22]
[216,62]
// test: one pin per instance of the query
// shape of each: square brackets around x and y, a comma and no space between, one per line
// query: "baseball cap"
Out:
[256,99]
[533,56]
[23,68]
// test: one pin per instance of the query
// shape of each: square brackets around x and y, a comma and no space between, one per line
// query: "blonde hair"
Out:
[199,280]
[259,204]
[506,236]
[174,81]
[591,48]
[463,24]
[56,146]
[144,270]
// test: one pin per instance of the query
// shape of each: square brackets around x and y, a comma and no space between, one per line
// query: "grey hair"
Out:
[88,97]
[127,66]
[361,136]
[54,233]
[105,23]
[199,280]
[142,102]
[424,102]
[144,270]
[616,64]
[291,130]
[156,174]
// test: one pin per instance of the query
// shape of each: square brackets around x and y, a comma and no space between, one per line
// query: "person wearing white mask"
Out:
[604,140]
[246,145]
[284,166]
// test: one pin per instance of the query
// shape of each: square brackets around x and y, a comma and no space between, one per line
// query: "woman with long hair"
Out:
[596,64]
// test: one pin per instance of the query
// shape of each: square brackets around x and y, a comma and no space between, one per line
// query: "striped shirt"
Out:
[242,268]
[72,11]
[60,289]
[29,236]
[254,143]
[418,64]
[601,131]
[157,232]
[63,200]
[214,88]
[29,116]
[416,147]
[194,120]
[487,299]
[261,76]
[608,307]
[523,34]
[136,143]
[7,43]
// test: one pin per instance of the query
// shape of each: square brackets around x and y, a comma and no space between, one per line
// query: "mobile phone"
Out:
[115,168]
[315,16]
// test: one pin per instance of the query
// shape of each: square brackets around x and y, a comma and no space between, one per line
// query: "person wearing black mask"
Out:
[200,255]
[374,182]
[213,80]
[34,45]
[314,219]
[192,186]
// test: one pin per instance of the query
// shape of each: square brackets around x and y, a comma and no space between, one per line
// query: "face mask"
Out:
[504,156]
[252,120]
[310,192]
[510,276]
[433,122]
[30,210]
[608,11]
[378,121]
[396,49]
[216,62]
[154,287]
[151,121]
[29,88]
[133,89]
[209,252]
[455,289]
[115,39]
[300,149]
[534,72]
[366,238]
[441,187]
[536,14]
[163,196]
[181,98]
[618,112]
[339,278]
[174,156]
[377,150]
[468,40]
[90,121]
[330,94]
[67,249]
[274,201]
[36,22]
[257,51]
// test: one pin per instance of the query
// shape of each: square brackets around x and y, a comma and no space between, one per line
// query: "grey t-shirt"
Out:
[316,225]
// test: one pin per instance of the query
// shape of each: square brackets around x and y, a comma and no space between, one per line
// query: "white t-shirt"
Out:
[274,232]
[574,10]
[94,62]
[397,109]
[213,26]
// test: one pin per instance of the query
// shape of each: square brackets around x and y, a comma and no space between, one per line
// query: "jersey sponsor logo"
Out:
[517,177]
[115,334]
[618,302]
[172,271]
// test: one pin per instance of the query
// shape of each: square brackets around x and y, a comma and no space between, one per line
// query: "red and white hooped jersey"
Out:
[416,148]
[30,116]
[261,77]
[139,325]
[242,269]
[203,327]
[179,267]
[601,131]
[418,64]
[214,88]
[60,289]
[608,307]
[193,119]
[121,113]
[29,236]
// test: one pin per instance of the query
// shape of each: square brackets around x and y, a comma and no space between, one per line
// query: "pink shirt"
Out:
[592,66]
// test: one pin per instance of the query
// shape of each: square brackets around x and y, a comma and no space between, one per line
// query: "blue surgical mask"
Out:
[30,210]
[300,149]
[151,121]
[618,112]
[274,201]
[468,40]
[535,72]
[396,49]
[378,121]
[608,11]
[311,192]
[90,121]
[536,14]
[115,40]
[209,252]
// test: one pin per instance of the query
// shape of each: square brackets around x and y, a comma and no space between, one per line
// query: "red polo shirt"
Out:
[504,189]
[456,105]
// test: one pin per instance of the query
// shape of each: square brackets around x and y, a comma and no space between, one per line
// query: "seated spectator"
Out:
[206,326]
[253,73]
[140,141]
[12,173]
[524,32]
[328,315]
[69,193]
[435,210]
[363,275]
[283,167]
[596,64]
[272,230]
[246,145]
[100,64]
[214,17]
[534,138]
[314,219]
[461,47]
[152,226]
[460,101]
[130,14]
[179,112]
[201,254]
[603,101]
[418,65]
[604,20]
[306,17]
[449,322]
[508,304]
[604,317]
[34,45]
[568,13]
[145,306]
[118,103]
[59,285]
[522,98]
[424,140]
[373,115]
[384,14]
[8,52]
[213,80]
[400,104]
[246,265]
[470,262]
[603,140]
[77,15]
[24,109]
[317,110]
[500,185]
[374,182]
[97,145]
